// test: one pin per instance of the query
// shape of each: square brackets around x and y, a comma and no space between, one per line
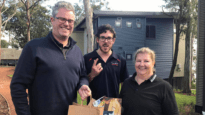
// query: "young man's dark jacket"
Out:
[52,79]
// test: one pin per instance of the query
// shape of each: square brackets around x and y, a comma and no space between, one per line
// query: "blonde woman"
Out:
[145,93]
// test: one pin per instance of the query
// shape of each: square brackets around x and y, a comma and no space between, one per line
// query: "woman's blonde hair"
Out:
[145,50]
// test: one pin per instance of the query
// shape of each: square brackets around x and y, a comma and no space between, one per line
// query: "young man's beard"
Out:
[101,48]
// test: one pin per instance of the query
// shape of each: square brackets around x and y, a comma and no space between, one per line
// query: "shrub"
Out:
[193,85]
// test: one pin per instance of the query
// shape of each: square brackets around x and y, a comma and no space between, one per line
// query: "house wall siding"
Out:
[200,55]
[85,41]
[162,45]
[79,38]
[181,56]
[128,40]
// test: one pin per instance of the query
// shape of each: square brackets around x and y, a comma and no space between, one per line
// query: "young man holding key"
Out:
[105,69]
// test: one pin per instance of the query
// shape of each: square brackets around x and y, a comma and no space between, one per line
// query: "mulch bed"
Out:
[4,108]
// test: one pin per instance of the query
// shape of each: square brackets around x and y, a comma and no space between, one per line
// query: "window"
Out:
[118,22]
[150,31]
[139,25]
[129,24]
[128,56]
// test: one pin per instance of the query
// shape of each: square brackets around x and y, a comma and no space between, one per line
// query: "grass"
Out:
[79,100]
[184,99]
[10,75]
[186,103]
[193,92]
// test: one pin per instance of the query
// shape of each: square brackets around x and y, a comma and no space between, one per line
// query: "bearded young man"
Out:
[105,69]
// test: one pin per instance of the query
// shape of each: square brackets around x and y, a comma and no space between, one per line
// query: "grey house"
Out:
[200,81]
[135,30]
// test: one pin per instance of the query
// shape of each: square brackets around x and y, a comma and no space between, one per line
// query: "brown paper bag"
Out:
[77,109]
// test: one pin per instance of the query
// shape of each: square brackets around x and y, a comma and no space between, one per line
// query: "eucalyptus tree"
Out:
[94,4]
[39,27]
[4,6]
[4,44]
[186,11]
[30,5]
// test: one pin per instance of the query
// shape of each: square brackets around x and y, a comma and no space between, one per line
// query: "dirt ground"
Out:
[5,90]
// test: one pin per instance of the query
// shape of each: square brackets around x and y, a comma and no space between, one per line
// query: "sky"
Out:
[125,5]
[120,5]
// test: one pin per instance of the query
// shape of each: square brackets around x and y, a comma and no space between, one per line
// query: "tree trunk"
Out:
[178,32]
[0,34]
[89,26]
[191,58]
[175,52]
[1,26]
[4,23]
[28,20]
[186,80]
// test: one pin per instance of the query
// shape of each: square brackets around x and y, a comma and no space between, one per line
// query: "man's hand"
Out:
[96,69]
[84,92]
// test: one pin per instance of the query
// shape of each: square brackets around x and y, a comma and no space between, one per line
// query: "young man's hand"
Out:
[96,69]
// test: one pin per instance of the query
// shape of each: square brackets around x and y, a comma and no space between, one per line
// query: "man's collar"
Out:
[71,42]
[59,44]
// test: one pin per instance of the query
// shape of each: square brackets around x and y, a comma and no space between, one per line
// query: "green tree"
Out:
[190,32]
[4,44]
[29,5]
[176,6]
[183,22]
[14,44]
[40,25]
[187,68]
[4,8]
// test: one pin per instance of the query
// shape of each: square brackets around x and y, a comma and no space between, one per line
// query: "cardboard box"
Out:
[111,104]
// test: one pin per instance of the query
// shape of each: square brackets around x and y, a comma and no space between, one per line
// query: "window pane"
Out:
[118,24]
[152,32]
[129,24]
[147,31]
